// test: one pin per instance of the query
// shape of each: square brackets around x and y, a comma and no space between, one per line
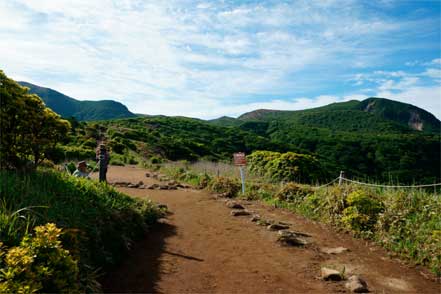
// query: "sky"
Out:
[207,59]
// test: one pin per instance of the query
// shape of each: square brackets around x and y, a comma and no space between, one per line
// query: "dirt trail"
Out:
[201,248]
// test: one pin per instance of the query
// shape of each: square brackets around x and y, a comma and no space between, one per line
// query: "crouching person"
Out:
[81,171]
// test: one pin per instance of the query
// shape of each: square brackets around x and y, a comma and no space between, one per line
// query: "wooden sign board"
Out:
[240,159]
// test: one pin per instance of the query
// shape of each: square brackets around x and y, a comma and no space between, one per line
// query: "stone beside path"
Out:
[355,284]
[336,250]
[330,274]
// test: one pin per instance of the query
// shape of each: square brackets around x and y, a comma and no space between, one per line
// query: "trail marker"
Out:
[241,161]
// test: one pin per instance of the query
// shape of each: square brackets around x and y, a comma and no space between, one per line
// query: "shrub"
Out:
[203,181]
[71,167]
[288,166]
[258,191]
[117,147]
[47,163]
[226,186]
[39,264]
[155,160]
[293,192]
[362,211]
[132,160]
[89,144]
[77,153]
[116,159]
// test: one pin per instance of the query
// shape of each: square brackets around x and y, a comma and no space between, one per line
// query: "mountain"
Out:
[82,110]
[375,115]
[405,114]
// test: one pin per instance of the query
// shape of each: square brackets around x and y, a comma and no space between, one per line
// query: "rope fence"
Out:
[393,186]
[342,179]
[330,183]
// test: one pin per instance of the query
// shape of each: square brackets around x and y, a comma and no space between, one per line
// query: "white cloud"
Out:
[428,98]
[436,61]
[434,73]
[172,57]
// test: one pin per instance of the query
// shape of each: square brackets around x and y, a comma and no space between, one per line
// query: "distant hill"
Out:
[82,110]
[374,115]
[225,121]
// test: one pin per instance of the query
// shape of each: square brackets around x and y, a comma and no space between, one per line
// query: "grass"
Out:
[100,224]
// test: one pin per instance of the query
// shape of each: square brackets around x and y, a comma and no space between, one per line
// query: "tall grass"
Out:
[100,223]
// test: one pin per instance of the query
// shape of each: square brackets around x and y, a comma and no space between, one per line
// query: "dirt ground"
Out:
[201,248]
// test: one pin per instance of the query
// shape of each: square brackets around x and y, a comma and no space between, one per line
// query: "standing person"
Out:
[81,171]
[102,156]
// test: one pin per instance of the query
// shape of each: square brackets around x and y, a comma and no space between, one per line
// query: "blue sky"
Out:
[211,58]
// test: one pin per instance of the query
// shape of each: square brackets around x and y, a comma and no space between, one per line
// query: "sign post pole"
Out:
[242,177]
[241,161]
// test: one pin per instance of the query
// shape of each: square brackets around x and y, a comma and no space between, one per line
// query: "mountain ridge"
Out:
[372,114]
[84,110]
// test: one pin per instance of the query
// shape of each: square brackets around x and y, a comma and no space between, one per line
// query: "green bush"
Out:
[226,186]
[258,191]
[39,264]
[77,153]
[71,167]
[47,163]
[116,159]
[362,211]
[117,146]
[155,160]
[292,192]
[288,166]
[89,144]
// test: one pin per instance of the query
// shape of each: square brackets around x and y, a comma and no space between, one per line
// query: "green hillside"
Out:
[377,115]
[81,110]
[405,114]
[179,138]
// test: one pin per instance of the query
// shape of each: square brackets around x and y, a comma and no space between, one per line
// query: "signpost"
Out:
[241,161]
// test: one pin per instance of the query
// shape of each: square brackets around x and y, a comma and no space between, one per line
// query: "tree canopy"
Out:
[28,128]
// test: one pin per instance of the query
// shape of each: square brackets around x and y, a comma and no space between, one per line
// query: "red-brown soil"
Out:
[201,248]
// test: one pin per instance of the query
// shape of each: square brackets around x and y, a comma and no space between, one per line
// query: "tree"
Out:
[28,128]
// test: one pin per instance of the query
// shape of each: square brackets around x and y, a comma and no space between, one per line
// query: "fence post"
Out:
[340,178]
